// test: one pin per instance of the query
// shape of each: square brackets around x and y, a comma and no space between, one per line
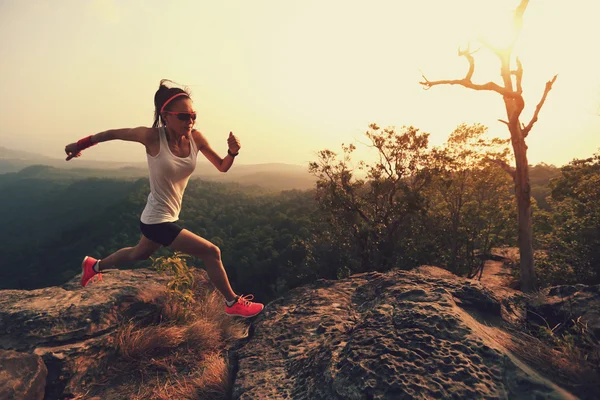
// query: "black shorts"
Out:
[163,233]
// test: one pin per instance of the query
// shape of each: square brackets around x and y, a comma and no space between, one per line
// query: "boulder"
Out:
[565,303]
[70,327]
[391,335]
[421,334]
[22,376]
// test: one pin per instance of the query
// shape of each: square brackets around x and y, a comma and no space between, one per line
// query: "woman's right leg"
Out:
[143,250]
[194,245]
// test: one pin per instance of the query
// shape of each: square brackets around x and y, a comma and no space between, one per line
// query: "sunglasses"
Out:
[183,116]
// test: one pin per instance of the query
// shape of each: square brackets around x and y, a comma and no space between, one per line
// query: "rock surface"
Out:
[69,326]
[22,376]
[395,335]
[421,334]
[570,302]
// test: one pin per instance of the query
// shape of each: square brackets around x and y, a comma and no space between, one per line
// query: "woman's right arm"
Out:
[140,134]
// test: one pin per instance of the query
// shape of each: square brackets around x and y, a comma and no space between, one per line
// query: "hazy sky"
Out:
[289,77]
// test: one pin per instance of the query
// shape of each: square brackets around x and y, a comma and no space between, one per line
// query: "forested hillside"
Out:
[540,176]
[51,224]
[444,207]
[37,212]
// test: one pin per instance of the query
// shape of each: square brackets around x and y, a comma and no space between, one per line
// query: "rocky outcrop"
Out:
[421,334]
[563,304]
[22,376]
[69,327]
[389,335]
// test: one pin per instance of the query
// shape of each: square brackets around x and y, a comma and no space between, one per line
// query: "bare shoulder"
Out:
[144,135]
[151,139]
[145,132]
[199,138]
[140,134]
[150,134]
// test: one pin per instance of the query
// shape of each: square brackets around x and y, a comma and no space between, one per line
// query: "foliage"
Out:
[572,227]
[446,206]
[179,355]
[471,200]
[372,222]
[262,236]
[540,176]
[552,271]
[181,278]
[414,205]
[258,234]
[576,352]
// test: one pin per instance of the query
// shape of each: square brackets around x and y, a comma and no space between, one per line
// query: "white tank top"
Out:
[169,176]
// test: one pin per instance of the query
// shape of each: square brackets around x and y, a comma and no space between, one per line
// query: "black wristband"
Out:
[231,154]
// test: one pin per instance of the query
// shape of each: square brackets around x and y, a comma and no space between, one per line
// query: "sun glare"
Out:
[499,33]
[492,23]
[316,72]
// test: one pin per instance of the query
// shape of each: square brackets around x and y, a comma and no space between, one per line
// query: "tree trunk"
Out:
[514,103]
[523,195]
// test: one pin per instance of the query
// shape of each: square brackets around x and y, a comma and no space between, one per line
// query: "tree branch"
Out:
[347,188]
[539,107]
[518,17]
[468,54]
[466,81]
[499,52]
[518,73]
[517,27]
[491,86]
[502,164]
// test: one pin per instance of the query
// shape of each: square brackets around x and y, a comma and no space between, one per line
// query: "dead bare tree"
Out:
[514,103]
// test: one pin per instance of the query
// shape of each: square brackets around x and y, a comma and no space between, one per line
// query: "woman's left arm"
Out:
[222,164]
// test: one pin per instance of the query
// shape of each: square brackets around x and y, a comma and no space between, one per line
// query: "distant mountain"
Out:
[15,160]
[20,155]
[40,171]
[274,180]
[274,176]
[15,164]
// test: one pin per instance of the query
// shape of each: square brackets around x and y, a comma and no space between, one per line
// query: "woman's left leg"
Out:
[189,243]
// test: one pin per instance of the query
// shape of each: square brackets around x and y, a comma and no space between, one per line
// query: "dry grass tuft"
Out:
[173,311]
[152,294]
[212,384]
[180,356]
[141,343]
[204,335]
[566,367]
[208,383]
[209,306]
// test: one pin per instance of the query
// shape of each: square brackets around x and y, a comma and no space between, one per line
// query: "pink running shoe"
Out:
[87,271]
[243,307]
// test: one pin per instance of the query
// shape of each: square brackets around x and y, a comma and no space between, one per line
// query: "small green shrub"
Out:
[181,280]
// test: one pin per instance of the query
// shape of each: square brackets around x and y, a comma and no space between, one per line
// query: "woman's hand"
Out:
[234,143]
[72,151]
